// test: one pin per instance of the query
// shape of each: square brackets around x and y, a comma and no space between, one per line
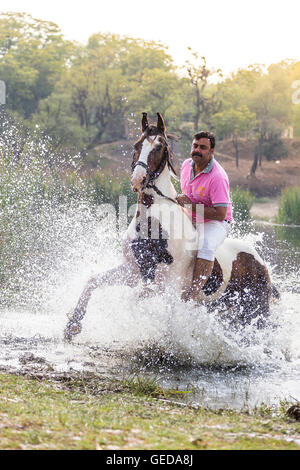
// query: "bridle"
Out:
[153,175]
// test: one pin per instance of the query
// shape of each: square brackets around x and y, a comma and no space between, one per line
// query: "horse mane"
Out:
[171,138]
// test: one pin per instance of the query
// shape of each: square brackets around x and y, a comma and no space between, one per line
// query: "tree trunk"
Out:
[236,148]
[260,157]
[255,161]
[197,110]
[258,153]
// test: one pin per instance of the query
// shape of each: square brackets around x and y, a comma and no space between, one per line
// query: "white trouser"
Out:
[210,236]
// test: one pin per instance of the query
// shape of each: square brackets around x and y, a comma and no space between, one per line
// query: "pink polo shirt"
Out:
[210,187]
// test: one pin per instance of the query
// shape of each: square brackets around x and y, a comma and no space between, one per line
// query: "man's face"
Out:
[201,152]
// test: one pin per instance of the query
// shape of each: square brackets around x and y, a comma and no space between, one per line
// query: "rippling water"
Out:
[183,346]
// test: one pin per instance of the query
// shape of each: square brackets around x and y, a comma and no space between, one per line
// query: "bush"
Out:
[274,148]
[99,188]
[289,206]
[242,201]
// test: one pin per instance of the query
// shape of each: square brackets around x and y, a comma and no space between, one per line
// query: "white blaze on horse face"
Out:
[140,172]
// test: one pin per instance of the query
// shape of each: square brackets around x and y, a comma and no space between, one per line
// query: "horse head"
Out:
[151,154]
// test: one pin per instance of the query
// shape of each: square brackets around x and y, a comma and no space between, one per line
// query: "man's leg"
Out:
[214,234]
[202,271]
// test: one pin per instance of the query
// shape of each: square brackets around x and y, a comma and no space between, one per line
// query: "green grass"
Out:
[242,202]
[289,206]
[94,414]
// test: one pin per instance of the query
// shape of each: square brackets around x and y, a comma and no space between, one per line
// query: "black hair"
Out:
[206,135]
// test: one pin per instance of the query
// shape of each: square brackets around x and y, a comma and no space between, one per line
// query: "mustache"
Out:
[196,154]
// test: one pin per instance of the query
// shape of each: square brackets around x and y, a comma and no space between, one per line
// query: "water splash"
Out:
[69,242]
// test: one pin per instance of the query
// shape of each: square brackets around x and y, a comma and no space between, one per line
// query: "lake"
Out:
[182,346]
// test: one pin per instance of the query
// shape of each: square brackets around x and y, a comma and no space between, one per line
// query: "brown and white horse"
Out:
[159,258]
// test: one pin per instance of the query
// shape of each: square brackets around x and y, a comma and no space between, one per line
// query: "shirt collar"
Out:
[207,169]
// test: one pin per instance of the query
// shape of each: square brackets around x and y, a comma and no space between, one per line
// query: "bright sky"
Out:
[230,33]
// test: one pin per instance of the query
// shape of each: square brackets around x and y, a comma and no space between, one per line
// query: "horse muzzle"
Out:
[139,184]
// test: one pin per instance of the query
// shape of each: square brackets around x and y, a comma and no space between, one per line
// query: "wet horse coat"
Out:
[159,258]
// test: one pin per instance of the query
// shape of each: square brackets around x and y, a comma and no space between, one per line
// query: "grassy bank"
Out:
[242,202]
[289,206]
[88,413]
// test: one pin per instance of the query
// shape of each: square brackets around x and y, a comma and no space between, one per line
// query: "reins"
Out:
[158,191]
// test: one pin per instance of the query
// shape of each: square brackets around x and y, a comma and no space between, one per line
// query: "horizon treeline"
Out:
[80,96]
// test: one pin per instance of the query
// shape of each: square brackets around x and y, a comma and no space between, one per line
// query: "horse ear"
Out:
[161,123]
[144,122]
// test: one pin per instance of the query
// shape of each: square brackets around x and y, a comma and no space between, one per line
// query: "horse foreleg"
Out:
[121,275]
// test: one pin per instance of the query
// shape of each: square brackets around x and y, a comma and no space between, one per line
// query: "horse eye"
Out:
[159,147]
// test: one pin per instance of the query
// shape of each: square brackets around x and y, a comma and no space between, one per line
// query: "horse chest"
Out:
[150,248]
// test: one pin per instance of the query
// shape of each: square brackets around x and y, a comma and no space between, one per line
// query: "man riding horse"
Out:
[204,181]
[226,273]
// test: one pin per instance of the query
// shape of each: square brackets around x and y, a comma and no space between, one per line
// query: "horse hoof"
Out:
[73,328]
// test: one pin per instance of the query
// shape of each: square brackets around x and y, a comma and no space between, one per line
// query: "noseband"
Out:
[153,175]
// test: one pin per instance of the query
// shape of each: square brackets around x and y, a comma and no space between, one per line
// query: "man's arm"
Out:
[215,213]
[212,213]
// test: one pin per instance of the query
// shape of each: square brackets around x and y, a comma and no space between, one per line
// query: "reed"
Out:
[289,206]
[242,201]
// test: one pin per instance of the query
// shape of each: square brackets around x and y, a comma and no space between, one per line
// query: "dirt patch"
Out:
[265,210]
[270,178]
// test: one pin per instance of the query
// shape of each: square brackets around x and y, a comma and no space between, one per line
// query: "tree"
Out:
[204,105]
[33,55]
[158,90]
[272,105]
[58,123]
[235,123]
[113,77]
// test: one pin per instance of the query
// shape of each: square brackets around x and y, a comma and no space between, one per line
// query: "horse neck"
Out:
[164,183]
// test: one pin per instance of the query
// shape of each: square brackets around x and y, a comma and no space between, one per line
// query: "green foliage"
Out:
[296,120]
[99,188]
[54,117]
[143,386]
[84,95]
[32,58]
[274,148]
[239,121]
[289,206]
[204,104]
[242,202]
[271,102]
